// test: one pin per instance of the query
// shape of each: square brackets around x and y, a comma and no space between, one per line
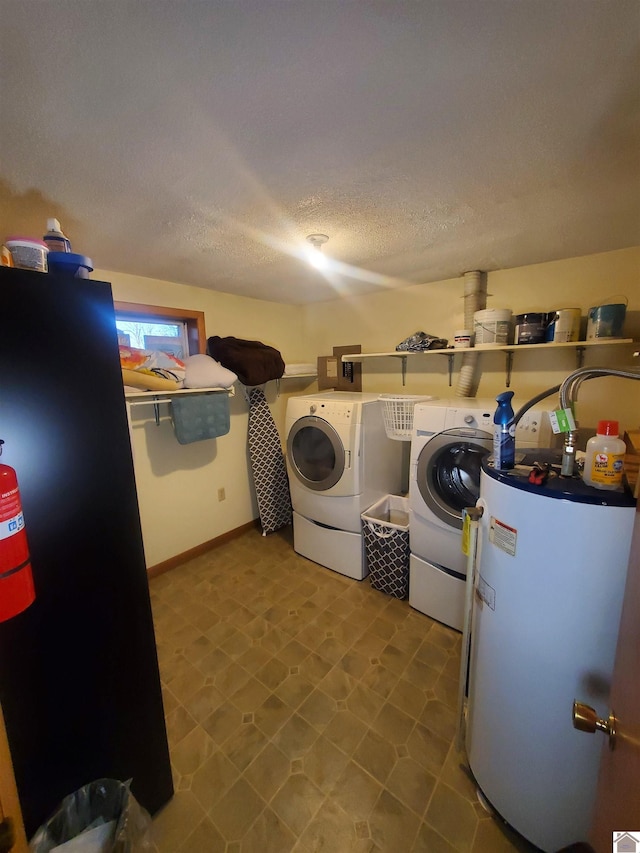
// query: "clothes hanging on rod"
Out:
[200,417]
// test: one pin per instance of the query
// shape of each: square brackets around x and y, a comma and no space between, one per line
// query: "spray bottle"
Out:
[55,239]
[504,433]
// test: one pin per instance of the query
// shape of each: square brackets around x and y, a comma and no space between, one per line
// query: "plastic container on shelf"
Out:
[68,263]
[462,338]
[27,253]
[492,326]
[563,326]
[397,413]
[606,321]
[530,328]
[54,238]
[504,433]
[604,460]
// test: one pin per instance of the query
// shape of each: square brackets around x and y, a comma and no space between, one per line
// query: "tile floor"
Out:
[308,712]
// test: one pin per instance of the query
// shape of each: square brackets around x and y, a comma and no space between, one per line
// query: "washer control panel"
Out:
[476,418]
[532,430]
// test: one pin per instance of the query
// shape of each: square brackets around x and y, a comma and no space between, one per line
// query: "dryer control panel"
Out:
[331,410]
[337,407]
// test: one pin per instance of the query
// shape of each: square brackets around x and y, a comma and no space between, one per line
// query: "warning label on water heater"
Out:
[486,593]
[503,536]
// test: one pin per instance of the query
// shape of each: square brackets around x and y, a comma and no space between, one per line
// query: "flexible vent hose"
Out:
[475,299]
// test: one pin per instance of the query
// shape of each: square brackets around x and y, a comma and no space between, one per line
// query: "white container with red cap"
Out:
[27,253]
[604,462]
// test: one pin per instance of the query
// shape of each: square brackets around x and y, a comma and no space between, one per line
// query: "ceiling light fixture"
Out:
[316,258]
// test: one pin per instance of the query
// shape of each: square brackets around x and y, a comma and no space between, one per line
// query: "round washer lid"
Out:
[448,472]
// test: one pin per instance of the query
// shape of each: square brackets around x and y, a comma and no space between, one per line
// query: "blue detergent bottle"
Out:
[504,433]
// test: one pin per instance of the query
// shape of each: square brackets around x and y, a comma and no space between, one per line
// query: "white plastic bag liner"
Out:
[96,840]
[107,806]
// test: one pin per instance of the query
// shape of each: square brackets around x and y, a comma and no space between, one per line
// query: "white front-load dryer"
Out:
[340,462]
[449,441]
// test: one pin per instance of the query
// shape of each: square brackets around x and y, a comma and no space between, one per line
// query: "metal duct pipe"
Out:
[475,299]
[568,398]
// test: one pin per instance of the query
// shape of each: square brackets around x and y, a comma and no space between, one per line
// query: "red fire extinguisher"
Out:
[16,581]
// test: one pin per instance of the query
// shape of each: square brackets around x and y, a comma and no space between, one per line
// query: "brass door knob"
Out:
[7,835]
[586,720]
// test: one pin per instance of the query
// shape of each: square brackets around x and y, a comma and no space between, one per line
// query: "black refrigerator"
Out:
[79,681]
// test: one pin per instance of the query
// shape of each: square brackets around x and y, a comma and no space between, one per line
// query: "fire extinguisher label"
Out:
[11,526]
[9,504]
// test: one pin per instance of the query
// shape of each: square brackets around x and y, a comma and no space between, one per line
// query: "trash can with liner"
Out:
[101,817]
[385,528]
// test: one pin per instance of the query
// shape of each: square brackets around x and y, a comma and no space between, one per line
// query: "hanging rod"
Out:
[151,402]
[156,399]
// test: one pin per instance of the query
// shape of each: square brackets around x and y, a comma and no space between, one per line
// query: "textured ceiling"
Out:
[201,141]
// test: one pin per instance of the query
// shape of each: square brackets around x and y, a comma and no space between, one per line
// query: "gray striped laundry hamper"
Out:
[385,529]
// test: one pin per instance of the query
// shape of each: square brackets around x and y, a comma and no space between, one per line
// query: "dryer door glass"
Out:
[315,452]
[448,473]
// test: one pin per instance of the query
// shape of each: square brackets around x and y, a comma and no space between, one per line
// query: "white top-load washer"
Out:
[340,462]
[449,441]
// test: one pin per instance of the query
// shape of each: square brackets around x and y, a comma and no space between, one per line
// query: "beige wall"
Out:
[380,321]
[178,485]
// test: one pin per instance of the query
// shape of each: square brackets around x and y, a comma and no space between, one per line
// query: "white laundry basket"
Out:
[385,528]
[397,411]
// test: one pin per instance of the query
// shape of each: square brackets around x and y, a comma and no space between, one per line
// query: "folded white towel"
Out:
[298,369]
[202,371]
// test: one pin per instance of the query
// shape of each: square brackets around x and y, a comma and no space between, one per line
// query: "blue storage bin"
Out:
[68,263]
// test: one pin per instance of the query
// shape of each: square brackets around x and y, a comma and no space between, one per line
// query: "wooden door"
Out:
[618,799]
[79,681]
[9,803]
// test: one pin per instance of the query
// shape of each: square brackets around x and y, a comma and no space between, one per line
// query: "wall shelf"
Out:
[508,349]
[304,377]
[140,397]
[151,396]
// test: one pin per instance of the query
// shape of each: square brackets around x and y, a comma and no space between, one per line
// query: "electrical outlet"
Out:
[221,494]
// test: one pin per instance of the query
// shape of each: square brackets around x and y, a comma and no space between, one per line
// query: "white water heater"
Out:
[551,575]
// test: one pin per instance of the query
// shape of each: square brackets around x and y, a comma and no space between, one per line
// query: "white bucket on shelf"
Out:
[492,326]
[564,325]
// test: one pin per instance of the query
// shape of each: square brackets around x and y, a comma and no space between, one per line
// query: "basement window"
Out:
[175,330]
